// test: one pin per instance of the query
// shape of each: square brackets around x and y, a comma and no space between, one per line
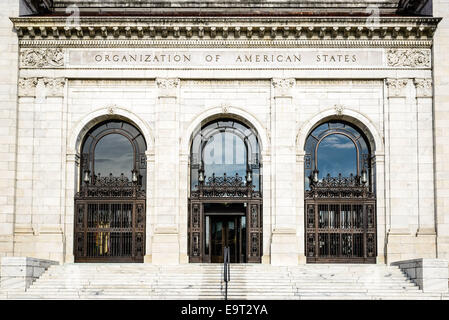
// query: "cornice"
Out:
[144,28]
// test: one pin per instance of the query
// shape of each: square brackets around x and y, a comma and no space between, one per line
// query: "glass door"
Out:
[225,232]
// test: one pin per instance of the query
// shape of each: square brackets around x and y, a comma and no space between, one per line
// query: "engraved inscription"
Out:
[232,58]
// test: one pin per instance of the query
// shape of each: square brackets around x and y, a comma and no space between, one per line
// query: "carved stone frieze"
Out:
[423,87]
[413,58]
[42,58]
[396,87]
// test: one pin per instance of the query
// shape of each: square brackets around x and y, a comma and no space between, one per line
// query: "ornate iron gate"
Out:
[340,221]
[110,221]
[225,190]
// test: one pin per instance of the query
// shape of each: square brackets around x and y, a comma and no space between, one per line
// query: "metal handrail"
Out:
[226,270]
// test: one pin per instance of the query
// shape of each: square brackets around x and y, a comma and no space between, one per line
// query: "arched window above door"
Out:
[114,148]
[110,204]
[337,148]
[225,146]
[340,198]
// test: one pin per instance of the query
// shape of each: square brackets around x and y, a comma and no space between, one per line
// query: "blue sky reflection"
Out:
[337,154]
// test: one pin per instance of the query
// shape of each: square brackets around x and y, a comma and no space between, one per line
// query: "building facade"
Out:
[292,132]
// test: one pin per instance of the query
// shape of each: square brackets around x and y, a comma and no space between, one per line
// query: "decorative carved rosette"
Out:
[42,58]
[396,87]
[423,87]
[412,58]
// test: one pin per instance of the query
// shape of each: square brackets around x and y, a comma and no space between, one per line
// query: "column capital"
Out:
[423,87]
[27,87]
[52,87]
[168,87]
[283,86]
[397,87]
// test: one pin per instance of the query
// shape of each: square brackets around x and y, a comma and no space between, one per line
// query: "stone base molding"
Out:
[431,275]
[284,251]
[165,246]
[18,273]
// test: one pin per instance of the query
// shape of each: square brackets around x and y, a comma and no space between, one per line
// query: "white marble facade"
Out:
[379,78]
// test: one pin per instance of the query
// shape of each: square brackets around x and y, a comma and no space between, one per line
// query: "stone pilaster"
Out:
[426,232]
[300,206]
[165,246]
[150,217]
[41,143]
[402,171]
[284,248]
[8,127]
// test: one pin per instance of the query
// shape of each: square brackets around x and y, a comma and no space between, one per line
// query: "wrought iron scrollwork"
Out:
[339,187]
[111,187]
[222,187]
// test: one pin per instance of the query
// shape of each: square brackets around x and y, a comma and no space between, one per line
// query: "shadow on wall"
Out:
[415,8]
[34,7]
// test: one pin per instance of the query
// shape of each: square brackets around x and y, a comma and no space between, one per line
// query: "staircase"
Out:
[204,281]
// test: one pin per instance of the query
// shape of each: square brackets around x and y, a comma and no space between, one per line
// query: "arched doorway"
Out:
[110,204]
[225,204]
[340,201]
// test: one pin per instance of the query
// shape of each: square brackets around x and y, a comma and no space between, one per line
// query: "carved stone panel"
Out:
[42,58]
[413,58]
